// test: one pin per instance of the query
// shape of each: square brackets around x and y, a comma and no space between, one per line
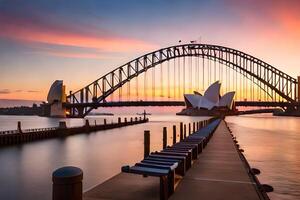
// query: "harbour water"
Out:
[271,144]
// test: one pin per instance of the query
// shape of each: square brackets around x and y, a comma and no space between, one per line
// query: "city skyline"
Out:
[79,42]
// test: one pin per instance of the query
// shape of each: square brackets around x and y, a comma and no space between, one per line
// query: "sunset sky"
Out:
[79,41]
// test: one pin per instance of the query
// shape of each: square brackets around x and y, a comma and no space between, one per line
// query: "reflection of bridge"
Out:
[166,74]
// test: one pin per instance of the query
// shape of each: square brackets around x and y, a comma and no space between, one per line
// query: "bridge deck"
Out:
[219,173]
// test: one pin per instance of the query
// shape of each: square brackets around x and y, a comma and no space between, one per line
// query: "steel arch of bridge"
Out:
[267,77]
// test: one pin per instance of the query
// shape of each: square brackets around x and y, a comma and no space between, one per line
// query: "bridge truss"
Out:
[275,85]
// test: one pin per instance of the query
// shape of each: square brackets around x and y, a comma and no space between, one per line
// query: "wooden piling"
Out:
[194,128]
[146,143]
[174,134]
[164,137]
[19,127]
[181,131]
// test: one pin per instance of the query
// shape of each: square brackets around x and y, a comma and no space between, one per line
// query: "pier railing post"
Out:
[146,143]
[164,137]
[19,127]
[67,183]
[194,130]
[184,135]
[181,131]
[174,134]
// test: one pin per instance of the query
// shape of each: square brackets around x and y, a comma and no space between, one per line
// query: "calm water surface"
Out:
[271,144]
[26,169]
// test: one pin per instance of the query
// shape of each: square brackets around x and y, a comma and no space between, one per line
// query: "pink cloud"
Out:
[32,31]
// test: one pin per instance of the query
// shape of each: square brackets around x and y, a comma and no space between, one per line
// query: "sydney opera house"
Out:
[210,103]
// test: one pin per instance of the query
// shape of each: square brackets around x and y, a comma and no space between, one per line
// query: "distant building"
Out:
[56,97]
[211,100]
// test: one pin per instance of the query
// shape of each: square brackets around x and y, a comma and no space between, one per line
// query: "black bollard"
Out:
[189,128]
[67,183]
[184,134]
[125,120]
[119,120]
[146,143]
[104,122]
[174,134]
[181,131]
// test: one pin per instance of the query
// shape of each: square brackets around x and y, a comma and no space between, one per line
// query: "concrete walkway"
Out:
[218,174]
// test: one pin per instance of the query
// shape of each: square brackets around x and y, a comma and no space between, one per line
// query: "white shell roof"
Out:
[211,98]
[213,91]
[227,99]
[193,99]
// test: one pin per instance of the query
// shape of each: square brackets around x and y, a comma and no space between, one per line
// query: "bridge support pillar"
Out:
[57,110]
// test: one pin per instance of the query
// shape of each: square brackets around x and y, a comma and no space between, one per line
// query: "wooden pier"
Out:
[22,136]
[219,172]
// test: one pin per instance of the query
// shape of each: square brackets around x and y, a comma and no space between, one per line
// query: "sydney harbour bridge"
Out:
[160,78]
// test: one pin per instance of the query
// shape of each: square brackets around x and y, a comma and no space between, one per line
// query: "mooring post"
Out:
[67,183]
[87,125]
[165,137]
[194,130]
[181,131]
[135,119]
[184,134]
[19,127]
[131,119]
[189,128]
[146,143]
[119,120]
[125,120]
[174,134]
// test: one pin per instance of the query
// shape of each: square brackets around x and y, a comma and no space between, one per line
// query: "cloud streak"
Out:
[5,91]
[33,31]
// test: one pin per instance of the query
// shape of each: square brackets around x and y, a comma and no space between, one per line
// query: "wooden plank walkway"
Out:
[219,173]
